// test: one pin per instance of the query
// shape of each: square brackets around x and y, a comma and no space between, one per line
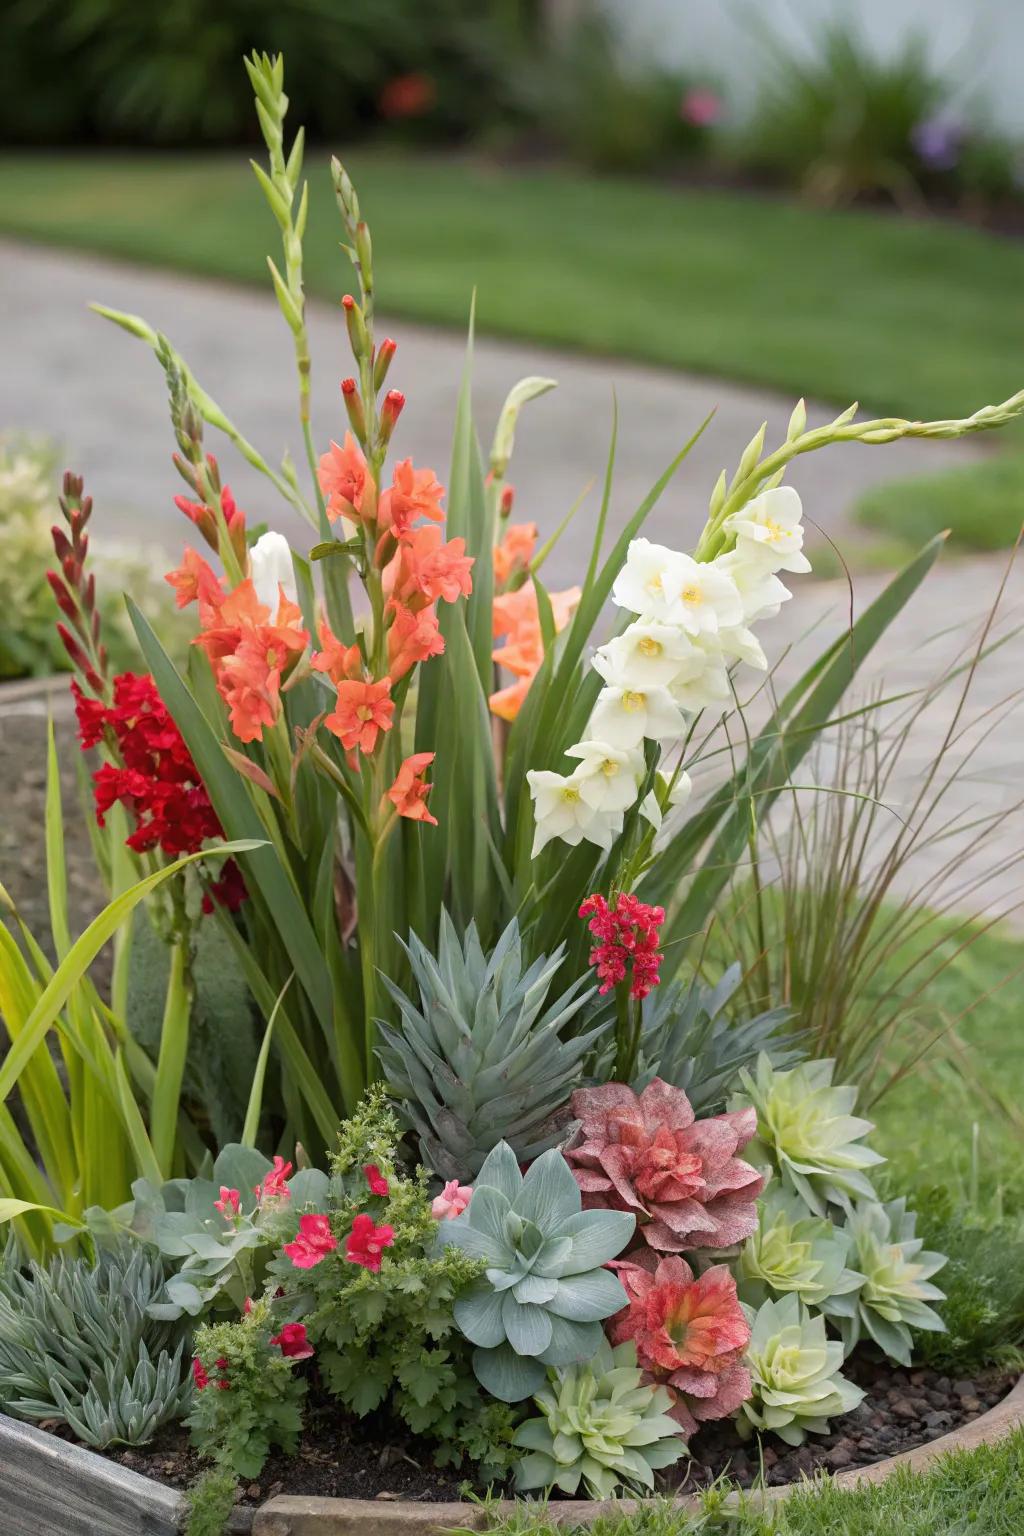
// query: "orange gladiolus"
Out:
[346,482]
[339,661]
[427,569]
[412,638]
[195,580]
[408,794]
[364,709]
[515,551]
[414,493]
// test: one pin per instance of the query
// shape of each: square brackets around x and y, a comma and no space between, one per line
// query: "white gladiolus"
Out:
[769,527]
[647,654]
[708,600]
[559,808]
[270,565]
[607,775]
[625,716]
[681,790]
[651,581]
[761,591]
[744,645]
[705,681]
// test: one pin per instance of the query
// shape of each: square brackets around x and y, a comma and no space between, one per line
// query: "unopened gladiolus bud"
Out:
[354,407]
[390,411]
[364,250]
[359,341]
[61,593]
[382,362]
[508,496]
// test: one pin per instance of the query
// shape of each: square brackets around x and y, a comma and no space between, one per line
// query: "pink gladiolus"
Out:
[229,1202]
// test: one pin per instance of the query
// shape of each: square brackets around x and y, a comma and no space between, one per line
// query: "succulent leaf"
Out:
[797,1384]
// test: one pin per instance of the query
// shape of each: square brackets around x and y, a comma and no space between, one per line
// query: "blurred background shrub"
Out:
[29,643]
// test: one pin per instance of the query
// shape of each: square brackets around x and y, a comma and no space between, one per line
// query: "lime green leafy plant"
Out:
[796,1373]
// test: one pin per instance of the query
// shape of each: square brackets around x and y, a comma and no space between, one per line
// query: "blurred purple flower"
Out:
[701,106]
[938,141]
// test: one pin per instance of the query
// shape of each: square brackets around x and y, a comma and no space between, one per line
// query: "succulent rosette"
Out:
[648,1154]
[893,1299]
[544,1292]
[796,1251]
[601,1425]
[807,1133]
[689,1333]
[795,1373]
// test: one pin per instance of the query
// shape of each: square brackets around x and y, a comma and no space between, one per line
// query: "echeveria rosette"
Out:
[795,1370]
[601,1425]
[689,1333]
[796,1251]
[544,1293]
[648,1154]
[893,1299]
[806,1132]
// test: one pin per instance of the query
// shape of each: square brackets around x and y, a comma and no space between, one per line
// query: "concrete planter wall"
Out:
[49,1487]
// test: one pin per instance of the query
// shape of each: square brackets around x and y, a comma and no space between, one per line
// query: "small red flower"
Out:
[275,1184]
[292,1342]
[366,1242]
[314,1242]
[629,934]
[376,1180]
[199,1375]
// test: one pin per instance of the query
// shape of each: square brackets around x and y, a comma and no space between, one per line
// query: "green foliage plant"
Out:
[796,1373]
[601,1425]
[386,1340]
[78,1343]
[544,1293]
[249,1394]
[983,1280]
[486,1054]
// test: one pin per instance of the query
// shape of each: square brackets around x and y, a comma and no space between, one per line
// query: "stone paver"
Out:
[71,375]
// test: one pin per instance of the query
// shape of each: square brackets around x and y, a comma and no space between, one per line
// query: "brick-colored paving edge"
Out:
[294,1515]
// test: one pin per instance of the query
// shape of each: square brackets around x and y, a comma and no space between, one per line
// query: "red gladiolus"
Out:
[293,1342]
[366,1242]
[314,1242]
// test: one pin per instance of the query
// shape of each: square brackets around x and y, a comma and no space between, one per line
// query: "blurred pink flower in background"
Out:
[701,106]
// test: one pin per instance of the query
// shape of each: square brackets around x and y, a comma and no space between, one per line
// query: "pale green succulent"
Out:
[599,1425]
[484,1053]
[795,1373]
[894,1297]
[794,1251]
[543,1294]
[807,1134]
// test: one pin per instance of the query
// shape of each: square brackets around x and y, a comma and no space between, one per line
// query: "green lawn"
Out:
[912,318]
[982,504]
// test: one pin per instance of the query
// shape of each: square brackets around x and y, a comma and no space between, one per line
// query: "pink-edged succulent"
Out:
[679,1176]
[689,1332]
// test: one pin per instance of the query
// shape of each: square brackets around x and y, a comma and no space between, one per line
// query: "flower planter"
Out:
[48,1485]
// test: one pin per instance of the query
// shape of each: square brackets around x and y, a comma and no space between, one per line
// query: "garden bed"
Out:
[341,1481]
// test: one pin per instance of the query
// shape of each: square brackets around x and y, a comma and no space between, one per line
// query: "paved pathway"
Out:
[69,374]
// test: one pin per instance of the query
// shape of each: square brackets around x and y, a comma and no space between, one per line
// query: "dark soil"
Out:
[367,1459]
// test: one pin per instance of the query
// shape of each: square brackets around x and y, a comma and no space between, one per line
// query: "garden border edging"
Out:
[296,1515]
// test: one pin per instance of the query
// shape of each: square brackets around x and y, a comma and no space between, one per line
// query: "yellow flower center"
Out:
[692,595]
[610,768]
[775,530]
[570,794]
[364,712]
[633,701]
[649,646]
[654,585]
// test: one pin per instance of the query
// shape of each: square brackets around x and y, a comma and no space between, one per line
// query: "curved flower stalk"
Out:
[689,1333]
[795,1251]
[679,1176]
[806,1132]
[795,1374]
[599,1425]
[544,1293]
[691,624]
[897,1270]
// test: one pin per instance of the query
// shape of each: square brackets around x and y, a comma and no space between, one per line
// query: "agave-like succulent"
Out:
[599,1425]
[544,1292]
[797,1385]
[893,1299]
[680,1176]
[689,1333]
[806,1132]
[690,1041]
[794,1250]
[480,1058]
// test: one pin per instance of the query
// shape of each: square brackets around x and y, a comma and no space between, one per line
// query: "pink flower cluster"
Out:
[364,1245]
[628,935]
